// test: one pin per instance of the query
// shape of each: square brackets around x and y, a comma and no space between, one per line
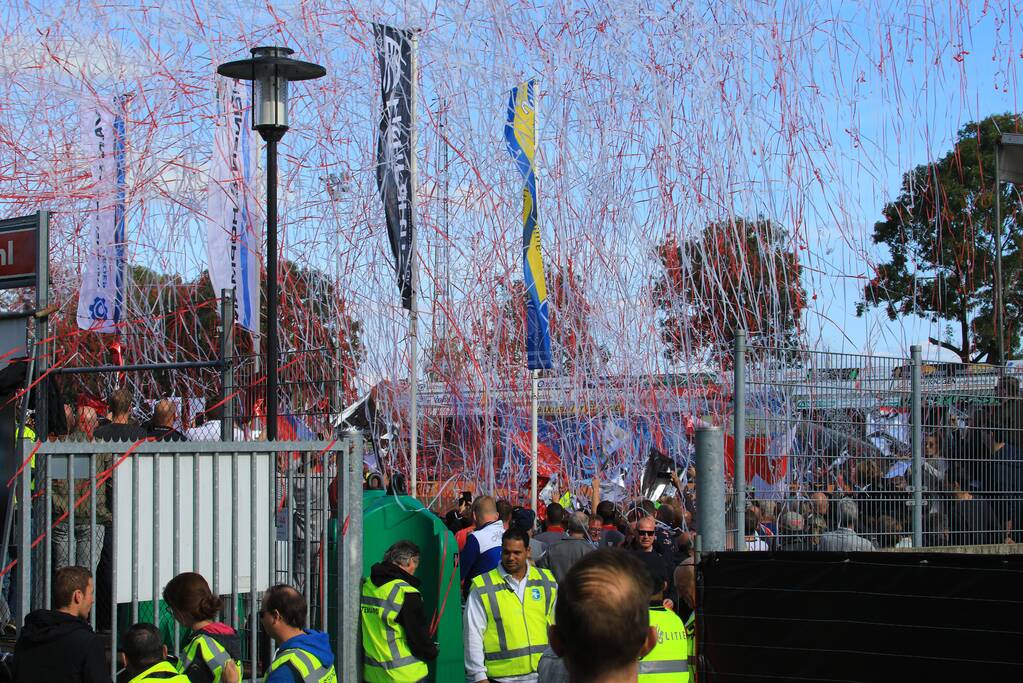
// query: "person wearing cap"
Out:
[669,658]
[525,519]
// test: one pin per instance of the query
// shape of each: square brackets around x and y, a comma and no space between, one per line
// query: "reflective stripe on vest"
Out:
[516,632]
[164,672]
[691,635]
[206,649]
[386,653]
[309,668]
[669,660]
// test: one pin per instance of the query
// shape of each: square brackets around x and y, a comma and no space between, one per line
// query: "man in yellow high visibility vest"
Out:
[685,582]
[668,661]
[302,655]
[507,615]
[395,634]
[144,657]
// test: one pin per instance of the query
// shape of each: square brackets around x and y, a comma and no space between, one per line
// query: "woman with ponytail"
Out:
[211,651]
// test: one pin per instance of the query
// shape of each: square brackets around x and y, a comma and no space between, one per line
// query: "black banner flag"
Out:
[394,149]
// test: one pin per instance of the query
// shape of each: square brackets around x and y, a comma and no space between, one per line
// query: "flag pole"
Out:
[535,373]
[414,309]
[533,450]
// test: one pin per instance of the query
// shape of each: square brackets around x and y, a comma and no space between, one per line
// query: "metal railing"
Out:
[245,515]
[899,452]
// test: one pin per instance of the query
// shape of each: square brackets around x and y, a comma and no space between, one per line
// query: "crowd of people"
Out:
[607,619]
[970,470]
[525,580]
[545,597]
[59,646]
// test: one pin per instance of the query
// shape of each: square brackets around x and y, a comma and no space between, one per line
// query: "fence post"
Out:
[24,585]
[227,364]
[42,331]
[916,440]
[739,440]
[710,477]
[350,557]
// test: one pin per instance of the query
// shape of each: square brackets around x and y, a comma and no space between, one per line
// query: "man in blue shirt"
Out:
[302,654]
[482,551]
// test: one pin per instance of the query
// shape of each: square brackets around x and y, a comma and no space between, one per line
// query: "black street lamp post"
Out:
[270,70]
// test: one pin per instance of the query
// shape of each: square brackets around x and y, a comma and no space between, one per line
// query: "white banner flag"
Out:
[101,298]
[234,232]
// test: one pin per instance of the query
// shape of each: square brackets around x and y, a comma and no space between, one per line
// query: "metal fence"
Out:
[244,515]
[852,452]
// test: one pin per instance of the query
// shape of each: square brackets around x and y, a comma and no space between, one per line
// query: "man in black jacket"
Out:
[59,646]
[400,562]
[161,427]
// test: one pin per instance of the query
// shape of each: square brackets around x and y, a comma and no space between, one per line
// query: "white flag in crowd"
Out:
[101,297]
[234,232]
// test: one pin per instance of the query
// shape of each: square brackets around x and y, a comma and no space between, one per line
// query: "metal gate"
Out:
[245,515]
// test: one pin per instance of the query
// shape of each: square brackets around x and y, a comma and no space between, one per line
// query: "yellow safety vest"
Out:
[669,660]
[206,648]
[308,666]
[387,655]
[516,632]
[691,637]
[26,434]
[163,672]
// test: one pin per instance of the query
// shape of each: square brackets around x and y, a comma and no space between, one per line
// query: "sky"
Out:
[941,71]
[655,118]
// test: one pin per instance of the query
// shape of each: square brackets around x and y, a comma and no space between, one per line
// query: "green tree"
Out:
[574,345]
[737,274]
[939,233]
[501,330]
[167,319]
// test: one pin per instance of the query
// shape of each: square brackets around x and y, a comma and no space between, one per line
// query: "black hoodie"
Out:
[412,618]
[58,648]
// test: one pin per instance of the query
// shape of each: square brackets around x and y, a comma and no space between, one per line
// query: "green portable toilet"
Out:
[387,519]
[393,518]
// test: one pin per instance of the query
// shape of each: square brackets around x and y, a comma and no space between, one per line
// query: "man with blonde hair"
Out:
[602,624]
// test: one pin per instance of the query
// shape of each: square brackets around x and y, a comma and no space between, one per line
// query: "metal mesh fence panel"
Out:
[851,452]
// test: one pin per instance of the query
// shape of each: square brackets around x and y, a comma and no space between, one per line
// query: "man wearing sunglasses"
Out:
[644,548]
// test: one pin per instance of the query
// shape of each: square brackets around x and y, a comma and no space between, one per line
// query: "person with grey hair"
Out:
[561,555]
[792,531]
[395,631]
[844,537]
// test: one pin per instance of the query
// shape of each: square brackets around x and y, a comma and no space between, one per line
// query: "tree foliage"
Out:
[169,319]
[574,343]
[939,234]
[500,332]
[737,274]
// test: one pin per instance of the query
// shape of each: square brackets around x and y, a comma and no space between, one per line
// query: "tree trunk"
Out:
[964,330]
[964,356]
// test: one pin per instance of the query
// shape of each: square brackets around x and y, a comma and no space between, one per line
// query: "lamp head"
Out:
[270,70]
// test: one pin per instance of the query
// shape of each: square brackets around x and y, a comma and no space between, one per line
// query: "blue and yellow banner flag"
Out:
[520,134]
